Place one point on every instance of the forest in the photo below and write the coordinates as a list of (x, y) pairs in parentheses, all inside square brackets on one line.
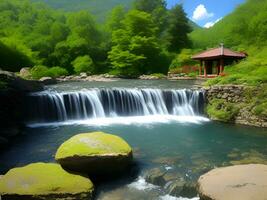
[(139, 37), (131, 42)]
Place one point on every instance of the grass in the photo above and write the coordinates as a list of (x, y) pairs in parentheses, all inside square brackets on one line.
[(251, 71)]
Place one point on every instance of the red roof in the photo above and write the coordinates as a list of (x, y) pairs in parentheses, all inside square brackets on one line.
[(219, 52)]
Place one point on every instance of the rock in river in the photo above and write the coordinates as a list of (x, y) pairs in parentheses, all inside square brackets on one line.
[(246, 182), (44, 181), (97, 154)]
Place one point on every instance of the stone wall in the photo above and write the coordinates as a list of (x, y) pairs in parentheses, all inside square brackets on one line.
[(236, 96)]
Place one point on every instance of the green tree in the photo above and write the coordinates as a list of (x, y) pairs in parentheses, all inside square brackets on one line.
[(157, 9), (178, 29), (149, 5), (114, 21), (135, 47), (83, 64)]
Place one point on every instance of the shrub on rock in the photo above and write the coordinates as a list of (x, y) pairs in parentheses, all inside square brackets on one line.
[(44, 181), (95, 153)]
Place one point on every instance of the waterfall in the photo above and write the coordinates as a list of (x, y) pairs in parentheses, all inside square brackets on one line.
[(52, 106)]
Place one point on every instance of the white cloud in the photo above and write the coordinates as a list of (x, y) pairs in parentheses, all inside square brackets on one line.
[(201, 13), (211, 24)]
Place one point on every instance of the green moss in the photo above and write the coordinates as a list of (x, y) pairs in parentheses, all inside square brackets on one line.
[(219, 109), (43, 179), (91, 144)]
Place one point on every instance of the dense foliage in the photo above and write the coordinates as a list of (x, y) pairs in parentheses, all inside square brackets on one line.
[(99, 8), (129, 43)]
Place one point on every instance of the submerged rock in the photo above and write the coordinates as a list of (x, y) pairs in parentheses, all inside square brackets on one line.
[(246, 182), (96, 153), (156, 177), (161, 176), (251, 157), (168, 160), (44, 181), (173, 183)]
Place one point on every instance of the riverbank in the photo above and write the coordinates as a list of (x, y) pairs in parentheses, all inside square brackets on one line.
[(13, 91), (237, 104)]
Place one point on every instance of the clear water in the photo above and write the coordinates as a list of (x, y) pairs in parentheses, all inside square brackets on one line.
[(185, 146)]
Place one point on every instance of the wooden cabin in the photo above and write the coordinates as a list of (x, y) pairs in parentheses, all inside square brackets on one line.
[(214, 60)]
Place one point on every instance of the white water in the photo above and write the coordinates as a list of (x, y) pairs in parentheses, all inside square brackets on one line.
[(128, 121), (103, 107), (142, 185)]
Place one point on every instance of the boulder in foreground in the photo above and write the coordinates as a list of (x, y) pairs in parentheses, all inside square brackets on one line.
[(246, 182), (96, 154), (44, 181)]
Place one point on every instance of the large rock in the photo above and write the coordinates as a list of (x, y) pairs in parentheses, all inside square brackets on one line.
[(44, 181), (13, 94), (18, 84), (25, 72), (97, 154), (48, 80), (246, 182)]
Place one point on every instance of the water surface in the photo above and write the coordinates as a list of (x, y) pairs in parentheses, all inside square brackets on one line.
[(187, 146)]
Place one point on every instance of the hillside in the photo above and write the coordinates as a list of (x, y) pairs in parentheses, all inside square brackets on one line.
[(99, 8), (246, 26), (243, 30)]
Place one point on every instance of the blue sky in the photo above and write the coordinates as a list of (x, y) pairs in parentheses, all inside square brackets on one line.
[(207, 12)]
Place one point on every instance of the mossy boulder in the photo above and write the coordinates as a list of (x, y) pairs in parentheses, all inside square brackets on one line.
[(44, 181), (97, 154)]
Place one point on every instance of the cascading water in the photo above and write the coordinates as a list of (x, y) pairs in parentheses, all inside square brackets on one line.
[(51, 106)]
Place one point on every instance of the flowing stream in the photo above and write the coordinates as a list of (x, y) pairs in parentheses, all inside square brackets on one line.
[(52, 106), (163, 121)]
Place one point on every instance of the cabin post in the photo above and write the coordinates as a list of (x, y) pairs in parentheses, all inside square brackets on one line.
[(200, 68), (221, 66), (218, 67), (205, 69)]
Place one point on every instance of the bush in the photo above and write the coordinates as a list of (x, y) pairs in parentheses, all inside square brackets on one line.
[(83, 64), (40, 71), (218, 109), (261, 110), (183, 59), (57, 72)]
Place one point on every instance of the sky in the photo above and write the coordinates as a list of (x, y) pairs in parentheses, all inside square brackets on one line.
[(207, 12)]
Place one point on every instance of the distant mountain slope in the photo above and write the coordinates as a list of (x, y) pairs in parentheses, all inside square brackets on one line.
[(246, 26), (99, 8)]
